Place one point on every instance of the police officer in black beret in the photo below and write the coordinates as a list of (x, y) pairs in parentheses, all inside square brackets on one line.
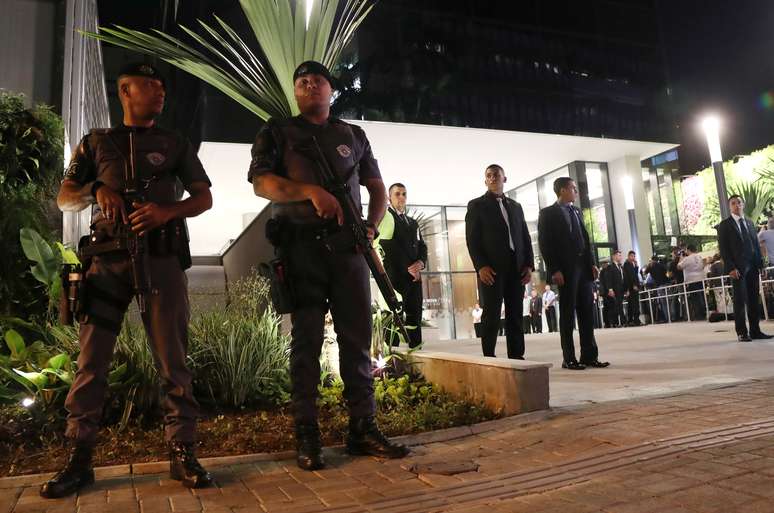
[(164, 164), (324, 269)]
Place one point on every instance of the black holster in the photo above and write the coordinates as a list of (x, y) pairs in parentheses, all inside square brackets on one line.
[(73, 295), (278, 232)]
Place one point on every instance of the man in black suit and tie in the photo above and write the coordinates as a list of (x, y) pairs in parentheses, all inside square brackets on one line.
[(564, 244), (632, 285), (743, 262), (501, 250), (405, 256), (613, 289)]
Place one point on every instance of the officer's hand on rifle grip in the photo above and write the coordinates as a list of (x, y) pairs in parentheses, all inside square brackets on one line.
[(111, 203), (325, 204), (148, 216)]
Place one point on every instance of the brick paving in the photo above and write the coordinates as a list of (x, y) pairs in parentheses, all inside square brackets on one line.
[(700, 451)]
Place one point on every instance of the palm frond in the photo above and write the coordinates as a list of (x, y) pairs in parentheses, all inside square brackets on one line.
[(260, 81)]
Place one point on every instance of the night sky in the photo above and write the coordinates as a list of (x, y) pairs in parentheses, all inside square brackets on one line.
[(720, 56)]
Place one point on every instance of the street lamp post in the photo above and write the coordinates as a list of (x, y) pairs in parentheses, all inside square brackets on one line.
[(626, 183), (711, 126)]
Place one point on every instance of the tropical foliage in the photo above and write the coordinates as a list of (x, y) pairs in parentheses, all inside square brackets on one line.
[(31, 163), (750, 176), (259, 79)]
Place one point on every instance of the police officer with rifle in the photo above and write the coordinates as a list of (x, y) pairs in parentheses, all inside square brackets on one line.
[(311, 167), (138, 248)]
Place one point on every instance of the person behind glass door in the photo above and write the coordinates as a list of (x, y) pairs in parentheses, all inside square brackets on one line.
[(501, 250)]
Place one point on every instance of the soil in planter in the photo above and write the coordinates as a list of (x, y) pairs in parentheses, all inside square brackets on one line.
[(30, 446)]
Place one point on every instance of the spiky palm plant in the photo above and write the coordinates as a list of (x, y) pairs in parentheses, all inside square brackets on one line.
[(258, 79)]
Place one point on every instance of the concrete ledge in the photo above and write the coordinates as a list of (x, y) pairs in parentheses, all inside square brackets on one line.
[(512, 386)]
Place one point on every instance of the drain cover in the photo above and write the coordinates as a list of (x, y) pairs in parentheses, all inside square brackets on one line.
[(444, 468)]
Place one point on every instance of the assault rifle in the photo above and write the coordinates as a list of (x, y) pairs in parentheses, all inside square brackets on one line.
[(354, 219), (136, 244)]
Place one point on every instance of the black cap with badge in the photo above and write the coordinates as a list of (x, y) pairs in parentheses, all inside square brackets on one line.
[(314, 68), (141, 69)]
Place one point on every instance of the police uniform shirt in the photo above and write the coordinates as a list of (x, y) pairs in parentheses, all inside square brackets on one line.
[(163, 161), (283, 147)]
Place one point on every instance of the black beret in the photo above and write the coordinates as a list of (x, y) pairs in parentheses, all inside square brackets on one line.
[(313, 67), (141, 69)]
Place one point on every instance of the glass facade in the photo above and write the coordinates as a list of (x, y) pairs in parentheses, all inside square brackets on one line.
[(449, 284), (675, 205)]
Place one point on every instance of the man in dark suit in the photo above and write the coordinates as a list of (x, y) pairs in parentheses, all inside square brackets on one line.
[(536, 312), (501, 250), (632, 285), (564, 244), (613, 290), (743, 262), (405, 256)]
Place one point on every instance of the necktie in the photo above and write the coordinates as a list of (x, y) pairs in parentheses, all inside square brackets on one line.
[(746, 236), (504, 211), (575, 228)]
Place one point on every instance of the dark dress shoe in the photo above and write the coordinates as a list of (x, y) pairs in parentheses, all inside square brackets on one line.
[(573, 365), (596, 364), (309, 447), (77, 473), (760, 336), (365, 439), (744, 338), (184, 467)]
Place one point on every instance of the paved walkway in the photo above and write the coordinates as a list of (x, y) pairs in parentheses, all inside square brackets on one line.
[(706, 450), (646, 361), (700, 450)]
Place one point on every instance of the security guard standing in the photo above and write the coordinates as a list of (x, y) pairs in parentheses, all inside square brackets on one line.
[(161, 161), (405, 257), (324, 269)]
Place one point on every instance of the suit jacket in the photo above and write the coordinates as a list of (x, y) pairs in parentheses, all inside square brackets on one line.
[(487, 234), (734, 252), (612, 278), (403, 249), (631, 275), (557, 244)]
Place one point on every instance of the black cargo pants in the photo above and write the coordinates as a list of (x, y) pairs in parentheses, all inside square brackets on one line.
[(109, 289), (329, 275)]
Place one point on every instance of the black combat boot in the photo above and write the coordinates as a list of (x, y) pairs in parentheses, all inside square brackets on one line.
[(77, 473), (309, 447), (365, 439), (183, 466)]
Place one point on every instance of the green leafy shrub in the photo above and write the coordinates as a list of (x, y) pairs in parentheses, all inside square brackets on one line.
[(407, 404), (238, 353), (31, 163)]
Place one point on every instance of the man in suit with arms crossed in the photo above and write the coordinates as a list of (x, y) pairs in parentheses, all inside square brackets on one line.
[(501, 250), (743, 262), (564, 244)]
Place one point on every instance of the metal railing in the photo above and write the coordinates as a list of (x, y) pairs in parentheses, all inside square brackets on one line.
[(684, 301)]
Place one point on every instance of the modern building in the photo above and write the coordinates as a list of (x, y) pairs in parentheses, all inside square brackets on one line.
[(443, 168)]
